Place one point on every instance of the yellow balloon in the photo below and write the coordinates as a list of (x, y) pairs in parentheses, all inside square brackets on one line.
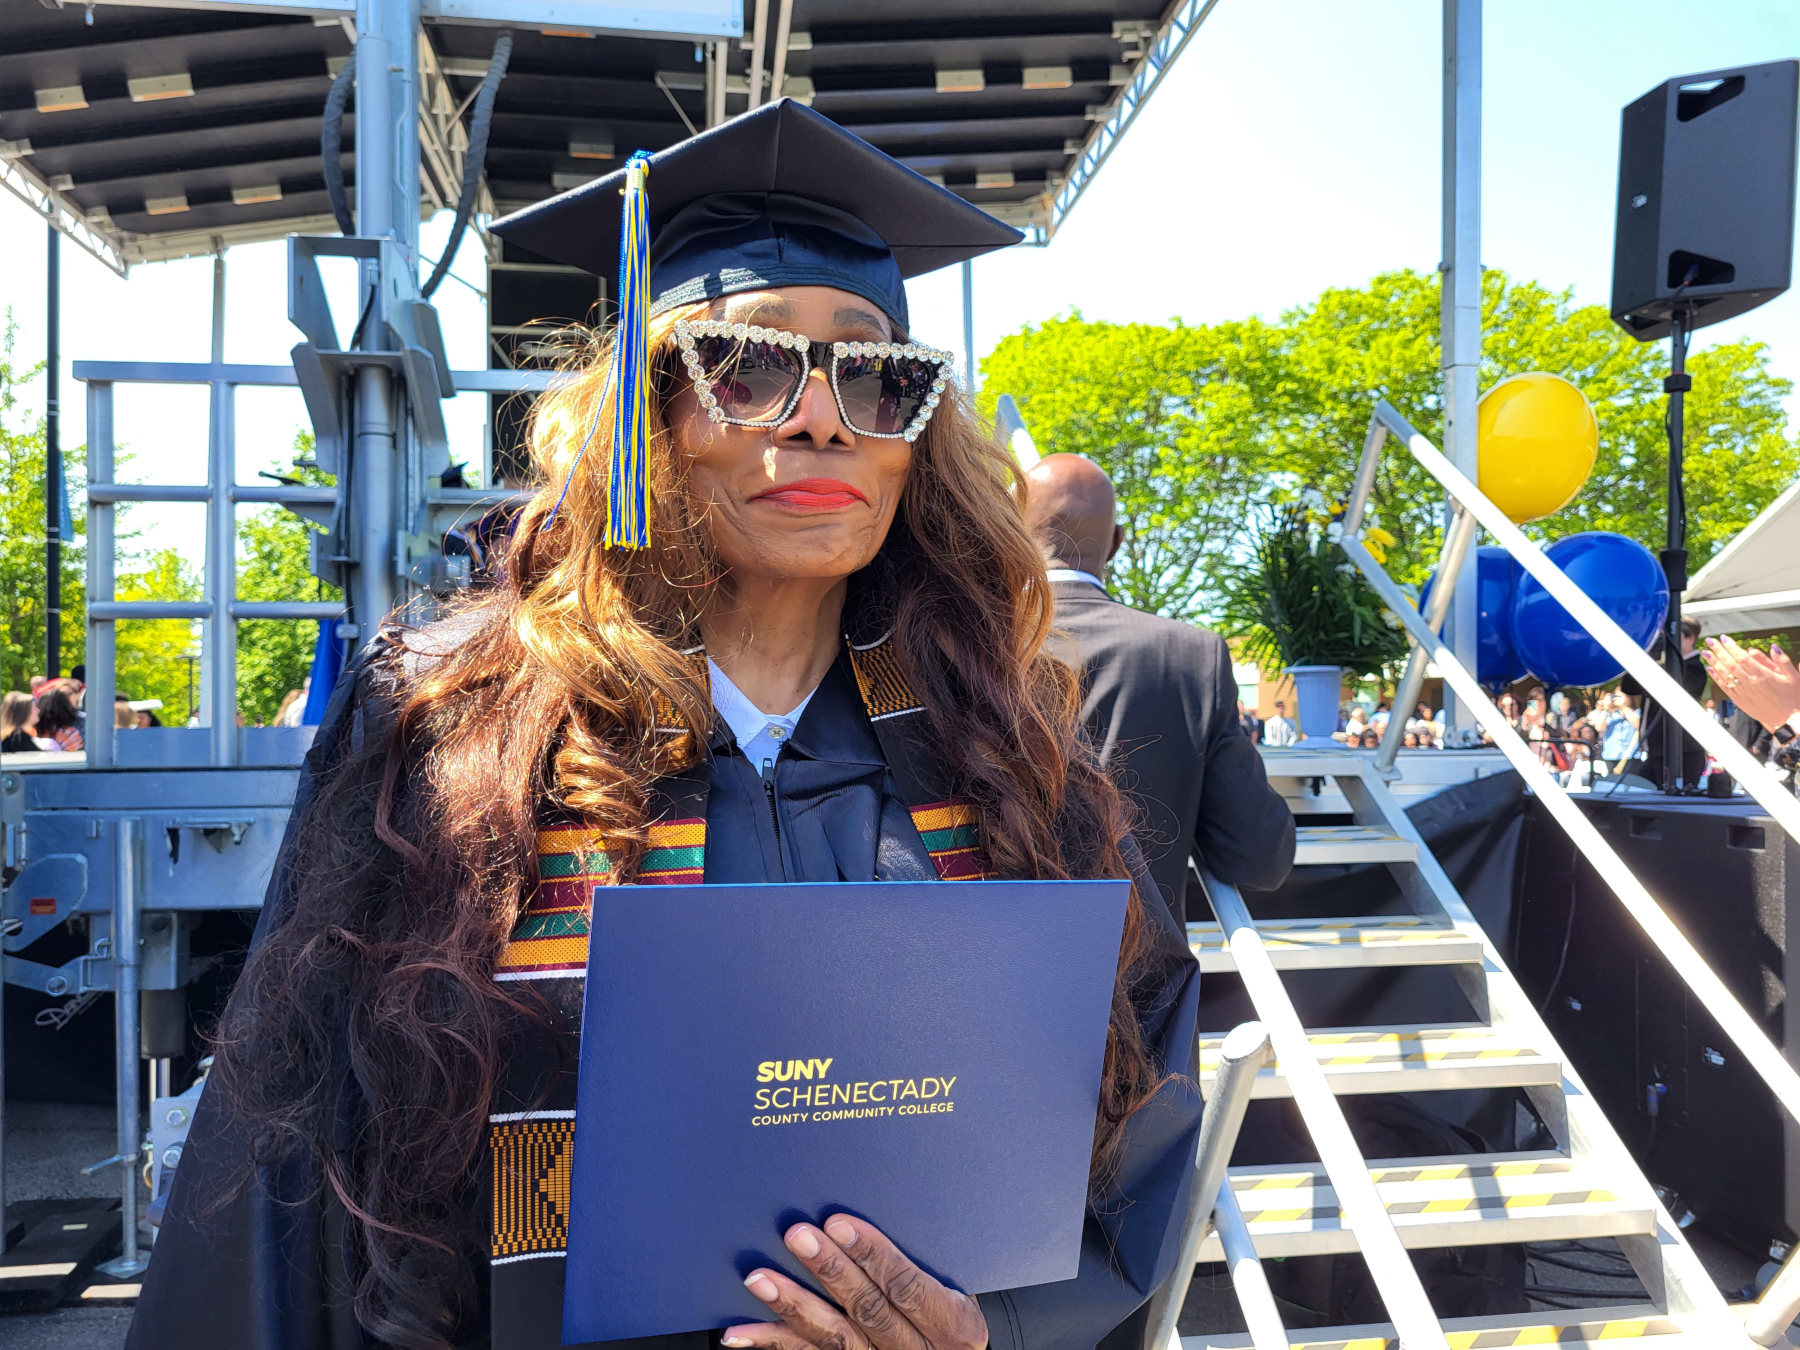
[(1538, 440)]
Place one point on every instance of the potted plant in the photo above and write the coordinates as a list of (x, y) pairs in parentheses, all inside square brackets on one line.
[(1300, 605)]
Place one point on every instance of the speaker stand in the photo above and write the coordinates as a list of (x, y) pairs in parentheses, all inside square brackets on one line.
[(1674, 554)]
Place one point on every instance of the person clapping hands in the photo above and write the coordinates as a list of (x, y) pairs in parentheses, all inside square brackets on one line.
[(1764, 684)]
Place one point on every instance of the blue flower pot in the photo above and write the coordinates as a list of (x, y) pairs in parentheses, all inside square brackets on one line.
[(1317, 691)]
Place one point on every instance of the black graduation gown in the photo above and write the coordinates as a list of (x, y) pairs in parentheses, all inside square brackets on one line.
[(263, 1269)]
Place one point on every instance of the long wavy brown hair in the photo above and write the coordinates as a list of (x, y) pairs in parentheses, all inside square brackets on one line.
[(365, 1037)]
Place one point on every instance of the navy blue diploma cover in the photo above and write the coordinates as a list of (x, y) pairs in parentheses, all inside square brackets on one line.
[(925, 1055)]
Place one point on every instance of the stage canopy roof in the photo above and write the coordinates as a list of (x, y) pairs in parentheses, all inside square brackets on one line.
[(175, 127), (1753, 583)]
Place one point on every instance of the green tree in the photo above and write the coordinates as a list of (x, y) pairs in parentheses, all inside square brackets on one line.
[(151, 655), (1175, 416), (22, 578), (274, 655), (1201, 425)]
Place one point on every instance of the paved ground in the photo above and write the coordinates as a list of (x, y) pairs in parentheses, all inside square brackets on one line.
[(46, 1148)]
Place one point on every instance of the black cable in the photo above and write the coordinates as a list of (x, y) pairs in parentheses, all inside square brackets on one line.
[(1569, 1291), (1562, 959), (362, 319), (1625, 1274), (331, 143), (475, 157)]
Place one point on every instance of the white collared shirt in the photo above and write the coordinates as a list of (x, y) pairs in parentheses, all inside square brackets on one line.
[(759, 735), (1057, 574)]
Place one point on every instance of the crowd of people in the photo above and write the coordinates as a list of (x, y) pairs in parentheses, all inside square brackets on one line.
[(1358, 726), (53, 716), (1609, 733)]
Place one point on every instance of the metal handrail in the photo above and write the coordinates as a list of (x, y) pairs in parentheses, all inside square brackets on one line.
[(1241, 1057), (1249, 1281), (1764, 1056), (1758, 780), (1781, 1300), (1396, 1278), (1769, 1318)]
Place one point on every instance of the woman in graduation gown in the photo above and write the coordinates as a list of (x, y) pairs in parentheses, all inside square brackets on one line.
[(779, 619)]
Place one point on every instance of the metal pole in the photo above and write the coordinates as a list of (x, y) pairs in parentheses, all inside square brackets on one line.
[(374, 118), (1241, 1058), (53, 465), (125, 1026), (375, 401), (758, 34), (1456, 548), (221, 543), (1248, 1278), (1460, 320), (719, 68), (784, 19), (968, 281), (1674, 555), (102, 667)]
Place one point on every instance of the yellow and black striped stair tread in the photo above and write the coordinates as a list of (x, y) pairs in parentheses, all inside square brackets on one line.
[(1444, 1201), (1548, 1329), (1343, 943), (1344, 844), (1435, 1057)]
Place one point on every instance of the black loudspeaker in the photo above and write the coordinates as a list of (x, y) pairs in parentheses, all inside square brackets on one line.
[(1706, 196), (1692, 1111)]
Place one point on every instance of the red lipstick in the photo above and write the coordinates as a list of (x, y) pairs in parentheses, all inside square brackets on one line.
[(814, 494)]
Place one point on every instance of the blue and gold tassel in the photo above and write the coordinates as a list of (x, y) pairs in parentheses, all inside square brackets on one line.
[(628, 515)]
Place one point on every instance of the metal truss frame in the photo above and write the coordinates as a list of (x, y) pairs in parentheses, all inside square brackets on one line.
[(62, 213), (1178, 28)]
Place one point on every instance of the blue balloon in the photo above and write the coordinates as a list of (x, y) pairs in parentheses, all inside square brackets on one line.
[(1618, 574), (1496, 579)]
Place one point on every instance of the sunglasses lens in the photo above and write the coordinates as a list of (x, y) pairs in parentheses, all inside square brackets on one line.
[(882, 394), (752, 380)]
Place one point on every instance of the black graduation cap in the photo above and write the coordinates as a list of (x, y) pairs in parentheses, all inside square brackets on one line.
[(781, 196)]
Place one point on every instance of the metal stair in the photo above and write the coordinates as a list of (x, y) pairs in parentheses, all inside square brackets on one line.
[(1586, 1187), (1630, 1323)]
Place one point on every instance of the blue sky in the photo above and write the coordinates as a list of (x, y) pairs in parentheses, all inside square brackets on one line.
[(1295, 146)]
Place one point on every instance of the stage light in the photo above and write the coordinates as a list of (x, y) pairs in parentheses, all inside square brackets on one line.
[(154, 87), (64, 98)]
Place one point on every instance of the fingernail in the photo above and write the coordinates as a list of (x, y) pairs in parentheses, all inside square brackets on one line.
[(729, 1339), (842, 1232), (801, 1242), (762, 1286)]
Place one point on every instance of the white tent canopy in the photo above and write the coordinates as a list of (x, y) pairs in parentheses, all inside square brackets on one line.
[(1753, 583)]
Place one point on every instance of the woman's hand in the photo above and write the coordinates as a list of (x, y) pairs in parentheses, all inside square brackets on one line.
[(1763, 684), (884, 1301)]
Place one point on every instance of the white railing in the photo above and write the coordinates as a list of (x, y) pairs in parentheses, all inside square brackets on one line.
[(1396, 1278), (1782, 1298)]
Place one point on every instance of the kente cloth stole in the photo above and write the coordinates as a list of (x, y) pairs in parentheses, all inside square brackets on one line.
[(532, 1128), (551, 936)]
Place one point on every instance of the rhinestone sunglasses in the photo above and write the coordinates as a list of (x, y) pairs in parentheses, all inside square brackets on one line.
[(750, 376)]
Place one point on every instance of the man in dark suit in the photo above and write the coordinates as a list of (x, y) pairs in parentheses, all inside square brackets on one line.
[(1159, 700)]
